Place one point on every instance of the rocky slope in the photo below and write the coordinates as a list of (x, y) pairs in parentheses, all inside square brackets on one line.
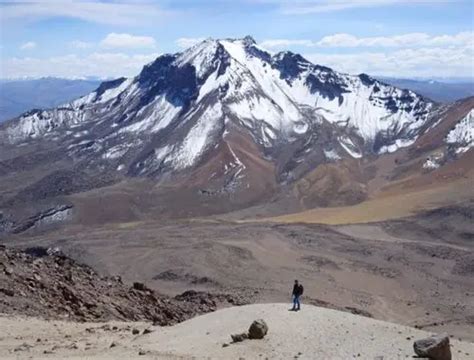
[(45, 283)]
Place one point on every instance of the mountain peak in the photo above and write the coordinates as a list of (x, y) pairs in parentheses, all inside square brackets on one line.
[(275, 99), (210, 41), (249, 40)]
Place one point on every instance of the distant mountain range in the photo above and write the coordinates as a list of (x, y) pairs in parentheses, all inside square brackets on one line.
[(18, 96), (440, 91)]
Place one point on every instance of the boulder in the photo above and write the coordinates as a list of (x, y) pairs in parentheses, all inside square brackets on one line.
[(435, 347), (258, 329)]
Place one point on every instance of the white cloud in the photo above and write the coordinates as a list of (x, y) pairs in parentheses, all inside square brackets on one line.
[(186, 42), (110, 13), (405, 40), (465, 38), (78, 44), (284, 43), (415, 62), (117, 41), (98, 64), (407, 55), (30, 45), (321, 6)]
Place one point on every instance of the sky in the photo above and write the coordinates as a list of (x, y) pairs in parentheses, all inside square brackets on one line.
[(109, 39)]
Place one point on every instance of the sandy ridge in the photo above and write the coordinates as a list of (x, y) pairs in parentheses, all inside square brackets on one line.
[(313, 333)]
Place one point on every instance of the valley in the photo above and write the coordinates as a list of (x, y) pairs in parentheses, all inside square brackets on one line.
[(415, 271)]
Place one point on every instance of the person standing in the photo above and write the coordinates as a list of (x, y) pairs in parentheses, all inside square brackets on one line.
[(297, 292)]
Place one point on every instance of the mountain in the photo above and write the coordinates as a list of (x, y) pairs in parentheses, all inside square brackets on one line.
[(221, 126), (441, 91), (203, 92), (18, 96)]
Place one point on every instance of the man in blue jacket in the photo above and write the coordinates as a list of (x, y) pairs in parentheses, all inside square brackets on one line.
[(297, 292)]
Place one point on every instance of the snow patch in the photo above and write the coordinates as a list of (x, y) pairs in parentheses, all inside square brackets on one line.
[(196, 140), (430, 164), (160, 113), (331, 155), (349, 146), (115, 152), (462, 136), (114, 92), (397, 144)]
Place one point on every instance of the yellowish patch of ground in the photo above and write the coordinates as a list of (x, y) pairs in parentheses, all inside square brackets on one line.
[(385, 206)]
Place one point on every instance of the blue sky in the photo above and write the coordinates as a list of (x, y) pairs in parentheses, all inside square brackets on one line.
[(402, 38)]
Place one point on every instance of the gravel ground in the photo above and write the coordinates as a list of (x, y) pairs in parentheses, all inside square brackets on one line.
[(312, 333)]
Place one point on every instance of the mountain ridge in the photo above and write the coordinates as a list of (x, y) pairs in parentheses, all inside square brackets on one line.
[(226, 119), (194, 66)]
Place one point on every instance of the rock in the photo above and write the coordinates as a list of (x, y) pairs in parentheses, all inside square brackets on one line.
[(135, 331), (435, 347), (139, 286), (113, 344), (239, 337), (258, 329), (142, 352), (147, 331), (225, 345)]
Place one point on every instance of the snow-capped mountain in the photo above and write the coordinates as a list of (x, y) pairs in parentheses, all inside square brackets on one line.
[(225, 125), (187, 102)]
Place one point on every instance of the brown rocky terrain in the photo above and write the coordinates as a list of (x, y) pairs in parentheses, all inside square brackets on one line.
[(45, 283), (416, 271)]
